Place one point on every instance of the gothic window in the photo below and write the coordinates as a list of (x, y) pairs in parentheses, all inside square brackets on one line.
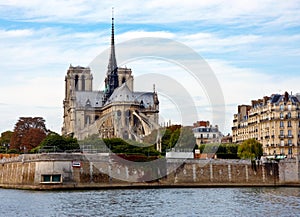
[(125, 135), (83, 83), (87, 120), (76, 82), (119, 113), (127, 117), (123, 80), (142, 104), (96, 117)]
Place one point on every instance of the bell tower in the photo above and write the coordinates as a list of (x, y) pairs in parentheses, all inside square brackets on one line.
[(78, 79)]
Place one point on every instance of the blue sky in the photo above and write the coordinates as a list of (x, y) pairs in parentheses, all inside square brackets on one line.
[(253, 47)]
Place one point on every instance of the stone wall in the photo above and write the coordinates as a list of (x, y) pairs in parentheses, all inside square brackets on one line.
[(55, 171), (289, 171)]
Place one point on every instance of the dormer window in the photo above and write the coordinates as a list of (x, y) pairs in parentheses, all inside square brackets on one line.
[(88, 103)]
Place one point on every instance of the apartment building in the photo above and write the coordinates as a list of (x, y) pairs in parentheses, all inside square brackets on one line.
[(273, 121), (206, 133)]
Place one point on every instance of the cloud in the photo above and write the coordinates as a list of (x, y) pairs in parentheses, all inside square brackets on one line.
[(154, 11), (248, 45)]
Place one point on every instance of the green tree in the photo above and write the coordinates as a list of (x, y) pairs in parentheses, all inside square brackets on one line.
[(5, 137), (223, 151), (57, 143), (250, 149), (5, 141)]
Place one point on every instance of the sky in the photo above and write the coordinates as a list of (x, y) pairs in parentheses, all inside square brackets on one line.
[(252, 47)]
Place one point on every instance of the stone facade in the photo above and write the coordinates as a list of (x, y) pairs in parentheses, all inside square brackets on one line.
[(273, 121), (118, 111)]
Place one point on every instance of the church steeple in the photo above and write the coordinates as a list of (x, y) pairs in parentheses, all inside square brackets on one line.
[(111, 81), (112, 65)]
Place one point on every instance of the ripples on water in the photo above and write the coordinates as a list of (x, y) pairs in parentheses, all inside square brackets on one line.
[(153, 202)]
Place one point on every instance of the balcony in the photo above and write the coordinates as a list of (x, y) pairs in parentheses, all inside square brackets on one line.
[(281, 136)]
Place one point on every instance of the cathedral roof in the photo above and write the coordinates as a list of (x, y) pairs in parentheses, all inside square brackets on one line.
[(124, 94), (89, 99)]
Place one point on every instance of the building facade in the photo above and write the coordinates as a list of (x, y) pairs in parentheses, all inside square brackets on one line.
[(206, 133), (117, 111), (273, 121)]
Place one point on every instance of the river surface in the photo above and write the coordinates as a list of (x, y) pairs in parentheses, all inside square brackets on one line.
[(153, 202)]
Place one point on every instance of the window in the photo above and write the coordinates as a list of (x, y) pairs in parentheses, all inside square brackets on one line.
[(207, 135), (281, 124), (289, 115), (55, 178), (281, 107), (289, 132), (289, 141), (289, 124), (87, 120), (76, 82), (290, 151), (214, 136), (82, 83), (281, 115), (281, 132), (46, 178)]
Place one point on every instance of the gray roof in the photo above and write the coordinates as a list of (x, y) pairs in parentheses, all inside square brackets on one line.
[(124, 94), (276, 98), (89, 99)]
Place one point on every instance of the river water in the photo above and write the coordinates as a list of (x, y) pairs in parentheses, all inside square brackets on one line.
[(153, 202)]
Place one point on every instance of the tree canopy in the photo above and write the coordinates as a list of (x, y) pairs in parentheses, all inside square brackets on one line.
[(57, 143), (173, 136), (5, 137), (28, 133), (250, 149)]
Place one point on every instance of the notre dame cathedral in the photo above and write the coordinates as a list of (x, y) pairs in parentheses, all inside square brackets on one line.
[(117, 111)]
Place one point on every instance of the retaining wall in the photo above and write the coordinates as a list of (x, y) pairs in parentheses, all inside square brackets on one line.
[(57, 171)]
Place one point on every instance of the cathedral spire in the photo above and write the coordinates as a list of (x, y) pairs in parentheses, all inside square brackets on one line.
[(111, 81), (112, 65)]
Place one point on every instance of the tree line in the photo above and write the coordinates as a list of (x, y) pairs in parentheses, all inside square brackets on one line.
[(30, 135)]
